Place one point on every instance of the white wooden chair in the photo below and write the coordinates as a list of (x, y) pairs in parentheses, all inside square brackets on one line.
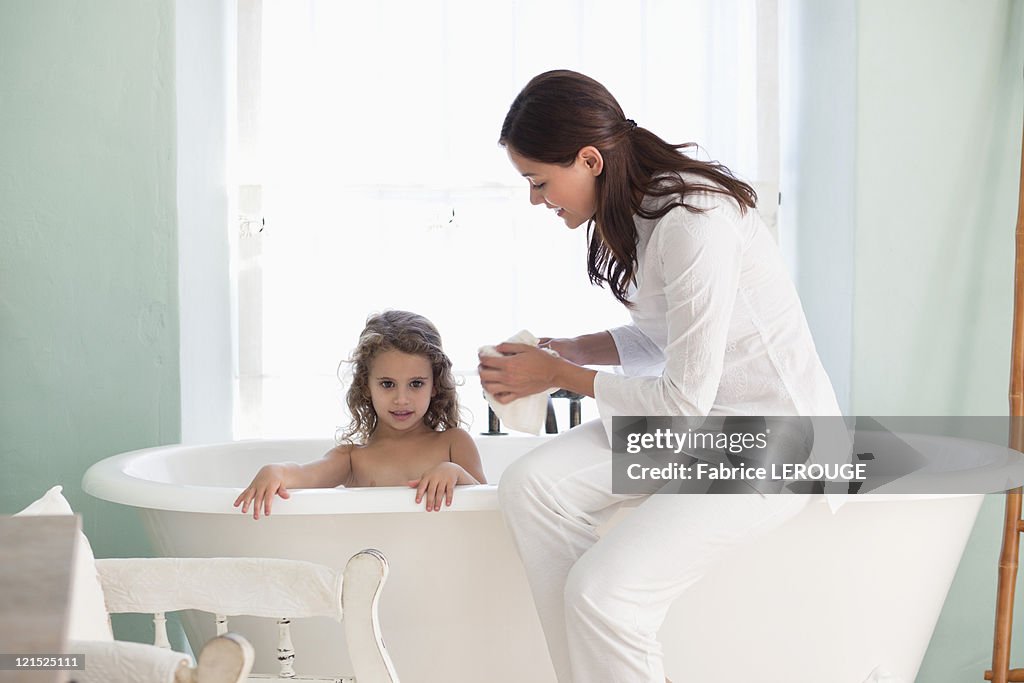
[(279, 589)]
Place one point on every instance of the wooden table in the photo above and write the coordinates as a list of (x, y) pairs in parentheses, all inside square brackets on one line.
[(35, 586)]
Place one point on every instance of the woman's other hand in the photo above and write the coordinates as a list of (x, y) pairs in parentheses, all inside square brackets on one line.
[(567, 348), (522, 370), (268, 481)]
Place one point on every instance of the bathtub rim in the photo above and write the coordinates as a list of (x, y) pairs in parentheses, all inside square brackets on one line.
[(108, 480)]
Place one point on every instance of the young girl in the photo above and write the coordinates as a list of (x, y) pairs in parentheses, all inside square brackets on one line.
[(404, 429)]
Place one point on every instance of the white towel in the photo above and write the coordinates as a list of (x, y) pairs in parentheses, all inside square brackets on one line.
[(125, 662), (260, 587), (526, 414)]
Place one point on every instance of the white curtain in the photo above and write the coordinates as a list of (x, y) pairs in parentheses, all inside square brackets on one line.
[(370, 147)]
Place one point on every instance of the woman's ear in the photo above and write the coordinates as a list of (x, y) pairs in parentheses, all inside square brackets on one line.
[(591, 159)]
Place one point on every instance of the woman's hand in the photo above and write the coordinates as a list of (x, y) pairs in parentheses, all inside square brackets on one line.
[(268, 481), (567, 348), (437, 485), (524, 370)]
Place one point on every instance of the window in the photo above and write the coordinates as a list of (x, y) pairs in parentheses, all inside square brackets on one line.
[(370, 175)]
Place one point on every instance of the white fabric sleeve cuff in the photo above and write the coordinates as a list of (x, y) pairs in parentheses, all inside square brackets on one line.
[(638, 355)]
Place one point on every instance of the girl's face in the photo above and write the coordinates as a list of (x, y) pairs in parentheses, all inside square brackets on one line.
[(570, 191), (401, 386)]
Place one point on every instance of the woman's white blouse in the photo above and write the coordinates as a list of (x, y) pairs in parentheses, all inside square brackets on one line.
[(717, 324)]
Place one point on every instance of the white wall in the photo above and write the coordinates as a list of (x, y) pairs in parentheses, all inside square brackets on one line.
[(205, 58), (819, 134)]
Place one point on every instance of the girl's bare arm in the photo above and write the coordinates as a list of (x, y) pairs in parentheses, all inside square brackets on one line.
[(465, 454), (275, 479), (438, 484), (329, 471)]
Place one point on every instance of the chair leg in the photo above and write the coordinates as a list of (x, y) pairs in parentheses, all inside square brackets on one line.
[(365, 575)]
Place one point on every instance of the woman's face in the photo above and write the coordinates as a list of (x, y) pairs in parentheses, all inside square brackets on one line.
[(570, 191)]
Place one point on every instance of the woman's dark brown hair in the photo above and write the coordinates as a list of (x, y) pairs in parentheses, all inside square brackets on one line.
[(559, 113), (409, 333)]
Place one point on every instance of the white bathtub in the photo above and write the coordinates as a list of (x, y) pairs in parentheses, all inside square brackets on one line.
[(828, 597)]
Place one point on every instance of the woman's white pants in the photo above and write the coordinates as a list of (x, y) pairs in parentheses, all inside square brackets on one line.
[(601, 600)]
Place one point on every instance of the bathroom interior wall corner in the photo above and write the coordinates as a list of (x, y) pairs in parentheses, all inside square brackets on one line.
[(88, 249), (204, 64), (818, 94)]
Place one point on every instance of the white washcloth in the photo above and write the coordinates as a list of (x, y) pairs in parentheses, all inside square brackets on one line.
[(526, 414)]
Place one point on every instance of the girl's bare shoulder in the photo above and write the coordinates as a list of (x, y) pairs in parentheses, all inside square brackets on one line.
[(343, 449), (449, 441), (457, 435), (461, 444), (343, 453)]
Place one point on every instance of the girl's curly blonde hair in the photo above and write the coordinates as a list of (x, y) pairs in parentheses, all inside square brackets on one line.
[(409, 333)]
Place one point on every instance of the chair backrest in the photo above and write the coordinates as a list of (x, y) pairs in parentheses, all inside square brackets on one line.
[(225, 587), (231, 586)]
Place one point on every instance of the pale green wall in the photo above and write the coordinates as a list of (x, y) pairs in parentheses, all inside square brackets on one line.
[(939, 113), (88, 252), (939, 128)]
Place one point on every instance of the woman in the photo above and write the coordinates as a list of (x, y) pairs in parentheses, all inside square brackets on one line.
[(717, 330)]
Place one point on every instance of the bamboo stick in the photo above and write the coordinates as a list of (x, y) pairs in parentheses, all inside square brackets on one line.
[(1009, 554)]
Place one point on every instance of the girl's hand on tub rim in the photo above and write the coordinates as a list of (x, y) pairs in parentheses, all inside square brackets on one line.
[(268, 481), (437, 485)]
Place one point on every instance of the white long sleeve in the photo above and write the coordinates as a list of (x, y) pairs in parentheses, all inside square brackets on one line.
[(713, 298), (638, 355)]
